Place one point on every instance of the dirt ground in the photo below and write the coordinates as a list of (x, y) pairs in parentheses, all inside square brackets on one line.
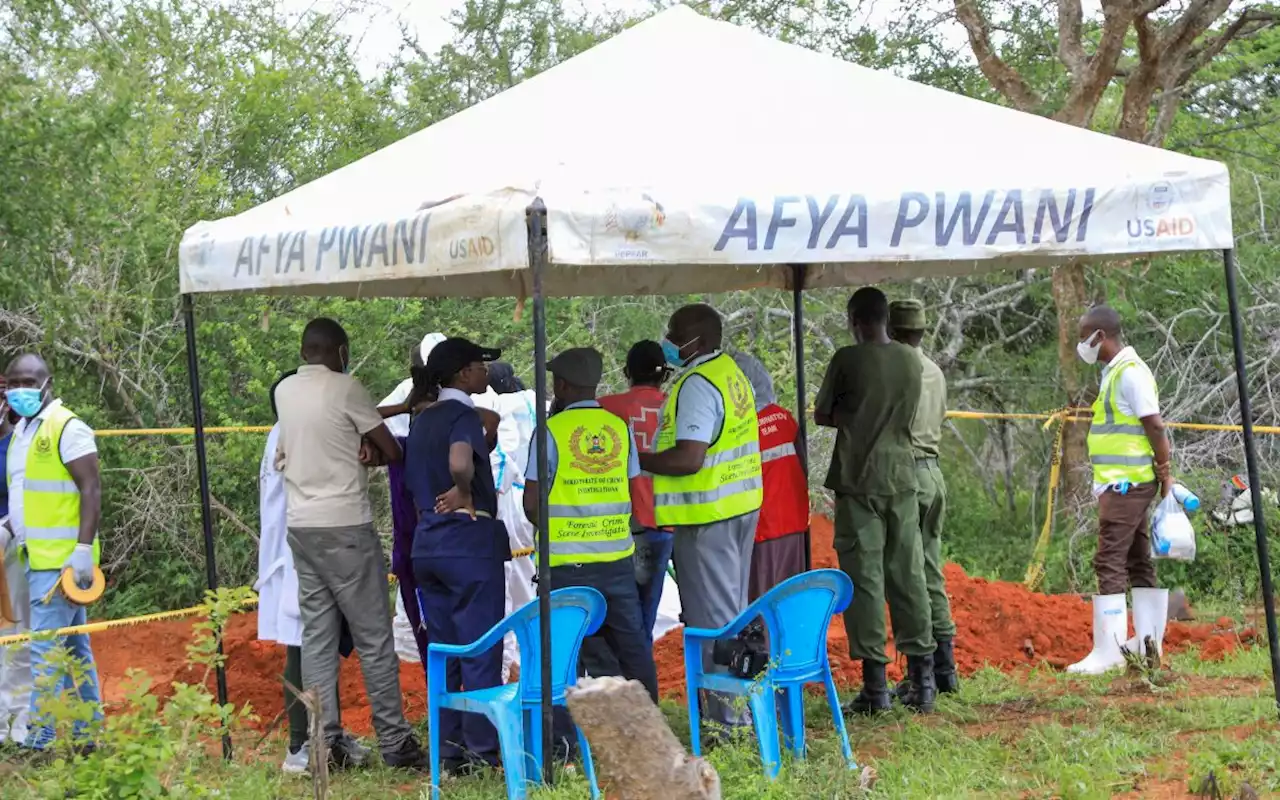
[(999, 624)]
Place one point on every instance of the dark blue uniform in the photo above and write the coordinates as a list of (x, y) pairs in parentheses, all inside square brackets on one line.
[(458, 563)]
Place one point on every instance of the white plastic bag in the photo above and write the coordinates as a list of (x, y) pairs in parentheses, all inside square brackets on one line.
[(1171, 533)]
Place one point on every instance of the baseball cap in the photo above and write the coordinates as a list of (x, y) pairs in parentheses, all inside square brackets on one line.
[(907, 315), (580, 366), (645, 360), (451, 356)]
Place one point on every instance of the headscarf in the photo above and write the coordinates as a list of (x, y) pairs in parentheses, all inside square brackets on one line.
[(502, 378), (761, 383)]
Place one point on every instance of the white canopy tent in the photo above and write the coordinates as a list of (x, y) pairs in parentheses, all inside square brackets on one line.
[(687, 155), (689, 142)]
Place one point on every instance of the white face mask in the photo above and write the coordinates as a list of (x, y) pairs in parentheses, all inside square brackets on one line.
[(1089, 348)]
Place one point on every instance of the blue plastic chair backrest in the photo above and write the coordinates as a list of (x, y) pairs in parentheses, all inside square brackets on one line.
[(797, 614), (576, 613)]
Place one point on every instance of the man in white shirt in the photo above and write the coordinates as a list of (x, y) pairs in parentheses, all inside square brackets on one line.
[(55, 502), (325, 415), (1129, 452)]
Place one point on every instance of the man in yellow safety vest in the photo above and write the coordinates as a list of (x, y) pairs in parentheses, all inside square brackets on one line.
[(1130, 455), (55, 501), (590, 463), (707, 481)]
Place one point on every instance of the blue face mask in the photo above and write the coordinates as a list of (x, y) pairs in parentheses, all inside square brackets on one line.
[(26, 402), (672, 353), (346, 364)]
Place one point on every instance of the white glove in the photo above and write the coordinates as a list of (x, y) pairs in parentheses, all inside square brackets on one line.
[(81, 564), (6, 536)]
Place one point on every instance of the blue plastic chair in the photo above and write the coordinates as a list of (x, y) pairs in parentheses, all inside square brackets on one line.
[(797, 613), (516, 709)]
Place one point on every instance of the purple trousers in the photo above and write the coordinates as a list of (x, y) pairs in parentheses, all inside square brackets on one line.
[(404, 519)]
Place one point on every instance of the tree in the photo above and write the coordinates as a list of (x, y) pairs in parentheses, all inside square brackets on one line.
[(1170, 47)]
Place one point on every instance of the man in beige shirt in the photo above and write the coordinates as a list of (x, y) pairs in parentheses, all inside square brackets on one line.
[(330, 429)]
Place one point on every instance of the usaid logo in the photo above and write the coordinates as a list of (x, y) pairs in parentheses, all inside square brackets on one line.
[(1160, 197), (1159, 222)]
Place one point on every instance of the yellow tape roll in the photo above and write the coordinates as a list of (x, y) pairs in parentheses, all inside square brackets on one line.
[(83, 597)]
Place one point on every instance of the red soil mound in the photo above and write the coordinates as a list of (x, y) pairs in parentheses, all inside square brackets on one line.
[(1000, 624)]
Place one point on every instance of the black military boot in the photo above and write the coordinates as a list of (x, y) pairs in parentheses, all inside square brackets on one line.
[(874, 697), (944, 667), (924, 690)]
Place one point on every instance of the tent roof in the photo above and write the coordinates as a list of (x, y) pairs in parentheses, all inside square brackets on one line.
[(690, 155)]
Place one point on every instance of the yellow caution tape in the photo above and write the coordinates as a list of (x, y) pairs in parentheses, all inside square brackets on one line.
[(976, 415), (1035, 569), (182, 431), (99, 627), (72, 591), (83, 597)]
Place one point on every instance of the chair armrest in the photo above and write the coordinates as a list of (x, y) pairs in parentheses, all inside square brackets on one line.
[(452, 650), (709, 634), (482, 645)]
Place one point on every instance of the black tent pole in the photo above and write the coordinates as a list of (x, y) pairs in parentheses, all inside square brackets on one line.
[(537, 220), (1251, 467), (798, 274), (206, 505)]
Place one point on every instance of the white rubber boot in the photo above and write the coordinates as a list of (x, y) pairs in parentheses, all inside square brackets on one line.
[(1110, 625), (1150, 616)]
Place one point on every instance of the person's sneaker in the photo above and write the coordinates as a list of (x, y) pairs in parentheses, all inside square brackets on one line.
[(298, 763), (409, 755), (340, 755), (357, 754)]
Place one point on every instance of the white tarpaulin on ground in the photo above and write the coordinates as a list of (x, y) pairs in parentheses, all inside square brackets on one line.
[(685, 141)]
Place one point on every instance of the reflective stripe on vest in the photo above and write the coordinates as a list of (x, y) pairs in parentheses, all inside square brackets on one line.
[(50, 497), (1118, 446), (781, 451), (730, 482), (589, 505)]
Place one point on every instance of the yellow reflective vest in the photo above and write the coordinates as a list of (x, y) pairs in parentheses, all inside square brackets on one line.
[(730, 482), (50, 497), (589, 505), (1118, 446)]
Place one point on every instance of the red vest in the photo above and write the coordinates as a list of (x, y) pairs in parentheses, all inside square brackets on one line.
[(786, 490), (641, 408)]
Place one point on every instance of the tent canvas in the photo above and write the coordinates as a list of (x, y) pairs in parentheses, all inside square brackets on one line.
[(686, 141)]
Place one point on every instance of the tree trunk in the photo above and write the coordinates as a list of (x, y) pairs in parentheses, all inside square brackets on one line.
[(636, 755), (1069, 297)]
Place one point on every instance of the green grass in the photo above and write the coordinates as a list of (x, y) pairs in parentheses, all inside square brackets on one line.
[(1037, 734)]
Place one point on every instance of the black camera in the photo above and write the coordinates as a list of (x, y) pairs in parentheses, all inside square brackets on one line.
[(747, 654)]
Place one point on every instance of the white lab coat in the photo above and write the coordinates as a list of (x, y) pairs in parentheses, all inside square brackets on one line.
[(668, 618), (279, 618), (515, 429), (15, 659)]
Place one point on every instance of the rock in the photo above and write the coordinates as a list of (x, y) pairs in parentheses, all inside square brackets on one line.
[(867, 780), (636, 755), (1179, 609)]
